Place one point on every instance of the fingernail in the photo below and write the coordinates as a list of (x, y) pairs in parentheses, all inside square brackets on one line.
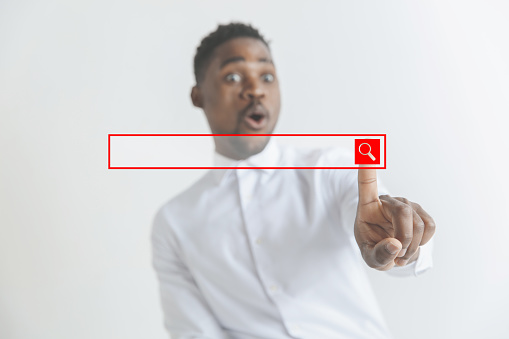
[(391, 248), (402, 253)]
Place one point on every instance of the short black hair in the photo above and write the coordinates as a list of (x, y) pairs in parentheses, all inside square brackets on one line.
[(222, 34)]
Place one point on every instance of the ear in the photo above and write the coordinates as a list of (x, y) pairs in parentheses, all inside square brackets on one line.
[(196, 96)]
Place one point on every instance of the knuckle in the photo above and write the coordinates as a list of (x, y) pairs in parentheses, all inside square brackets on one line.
[(406, 239), (432, 228), (405, 210), (432, 225), (405, 200), (419, 227)]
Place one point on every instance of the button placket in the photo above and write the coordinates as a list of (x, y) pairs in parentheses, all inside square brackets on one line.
[(248, 183)]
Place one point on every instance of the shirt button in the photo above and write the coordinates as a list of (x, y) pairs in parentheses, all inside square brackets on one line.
[(294, 329), (259, 241), (274, 288)]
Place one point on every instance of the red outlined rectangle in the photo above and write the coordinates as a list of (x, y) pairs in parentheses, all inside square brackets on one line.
[(285, 135)]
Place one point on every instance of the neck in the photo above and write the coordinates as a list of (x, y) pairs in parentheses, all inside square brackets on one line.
[(236, 148)]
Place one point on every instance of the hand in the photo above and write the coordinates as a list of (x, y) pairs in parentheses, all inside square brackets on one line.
[(388, 230)]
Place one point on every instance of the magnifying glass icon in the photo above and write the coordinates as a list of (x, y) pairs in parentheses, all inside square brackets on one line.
[(368, 153)]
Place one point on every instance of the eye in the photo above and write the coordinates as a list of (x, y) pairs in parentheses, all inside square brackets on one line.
[(268, 77), (232, 77)]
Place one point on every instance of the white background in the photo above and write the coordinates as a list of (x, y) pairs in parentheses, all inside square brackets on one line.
[(74, 236)]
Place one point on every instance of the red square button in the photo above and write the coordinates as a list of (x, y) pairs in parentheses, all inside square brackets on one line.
[(367, 151)]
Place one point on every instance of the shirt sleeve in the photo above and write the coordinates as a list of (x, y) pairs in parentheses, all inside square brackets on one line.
[(186, 313), (346, 192)]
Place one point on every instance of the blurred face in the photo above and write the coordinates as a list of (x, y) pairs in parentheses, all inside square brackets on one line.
[(240, 95)]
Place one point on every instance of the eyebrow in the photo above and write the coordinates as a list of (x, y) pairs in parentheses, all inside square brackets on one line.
[(239, 58)]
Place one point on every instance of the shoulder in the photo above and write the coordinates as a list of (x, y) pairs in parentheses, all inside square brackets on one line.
[(182, 205)]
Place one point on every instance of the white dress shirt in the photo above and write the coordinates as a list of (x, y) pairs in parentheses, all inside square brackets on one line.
[(268, 253)]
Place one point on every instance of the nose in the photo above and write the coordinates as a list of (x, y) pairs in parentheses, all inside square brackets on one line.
[(253, 90)]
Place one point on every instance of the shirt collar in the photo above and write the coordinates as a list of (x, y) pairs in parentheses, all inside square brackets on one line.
[(268, 157)]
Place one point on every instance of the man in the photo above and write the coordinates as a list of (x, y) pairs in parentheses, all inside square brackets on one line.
[(261, 253)]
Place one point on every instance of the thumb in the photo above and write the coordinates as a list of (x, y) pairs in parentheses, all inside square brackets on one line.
[(384, 253)]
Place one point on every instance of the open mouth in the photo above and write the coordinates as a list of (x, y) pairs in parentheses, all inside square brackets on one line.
[(256, 116), (256, 120)]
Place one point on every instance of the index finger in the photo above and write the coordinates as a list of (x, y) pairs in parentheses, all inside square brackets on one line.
[(368, 189)]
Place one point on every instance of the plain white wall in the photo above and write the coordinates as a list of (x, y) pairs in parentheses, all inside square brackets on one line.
[(74, 236)]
